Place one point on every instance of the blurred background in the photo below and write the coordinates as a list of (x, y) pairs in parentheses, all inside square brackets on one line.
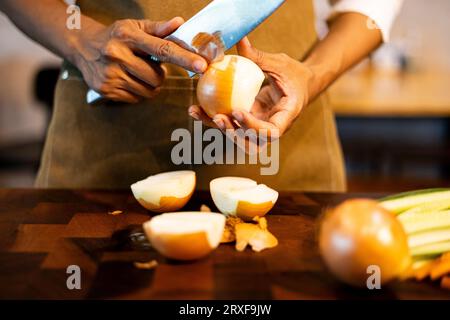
[(392, 110)]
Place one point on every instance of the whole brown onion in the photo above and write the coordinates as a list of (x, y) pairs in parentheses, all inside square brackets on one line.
[(358, 234)]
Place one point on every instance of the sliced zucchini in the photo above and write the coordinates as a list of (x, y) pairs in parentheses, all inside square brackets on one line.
[(413, 193), (407, 200), (440, 205), (431, 249), (417, 222), (427, 237)]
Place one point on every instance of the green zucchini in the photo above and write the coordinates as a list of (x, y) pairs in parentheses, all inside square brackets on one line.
[(431, 249), (417, 222), (440, 205), (403, 201), (413, 193), (427, 237)]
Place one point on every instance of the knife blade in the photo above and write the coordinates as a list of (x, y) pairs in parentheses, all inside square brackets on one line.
[(230, 19)]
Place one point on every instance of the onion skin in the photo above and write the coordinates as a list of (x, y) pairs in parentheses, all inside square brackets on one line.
[(228, 85), (166, 204), (248, 211), (158, 201), (360, 233), (184, 247), (168, 235), (214, 90)]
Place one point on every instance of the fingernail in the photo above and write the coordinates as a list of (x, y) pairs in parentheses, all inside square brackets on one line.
[(219, 123), (200, 66), (194, 115), (180, 20), (238, 116)]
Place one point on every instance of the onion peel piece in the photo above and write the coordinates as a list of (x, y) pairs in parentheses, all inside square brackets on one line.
[(146, 265), (255, 235), (204, 208), (115, 212), (229, 233)]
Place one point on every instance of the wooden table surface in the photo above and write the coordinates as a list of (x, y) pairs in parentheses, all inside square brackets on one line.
[(42, 232)]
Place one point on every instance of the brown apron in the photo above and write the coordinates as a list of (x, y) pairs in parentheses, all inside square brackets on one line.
[(114, 145)]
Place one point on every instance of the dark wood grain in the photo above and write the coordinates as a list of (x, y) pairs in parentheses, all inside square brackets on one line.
[(44, 231)]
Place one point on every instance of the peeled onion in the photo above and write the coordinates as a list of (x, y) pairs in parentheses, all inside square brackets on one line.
[(165, 192), (228, 85), (185, 235), (242, 197), (358, 234)]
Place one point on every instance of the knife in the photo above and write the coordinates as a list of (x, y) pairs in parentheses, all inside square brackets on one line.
[(230, 19)]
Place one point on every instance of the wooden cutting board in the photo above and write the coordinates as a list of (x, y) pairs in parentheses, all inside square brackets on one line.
[(42, 232)]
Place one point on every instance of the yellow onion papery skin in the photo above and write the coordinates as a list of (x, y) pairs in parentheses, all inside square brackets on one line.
[(215, 86), (358, 234)]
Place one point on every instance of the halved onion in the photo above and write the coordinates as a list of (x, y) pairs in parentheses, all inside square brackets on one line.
[(230, 84), (165, 192), (185, 235), (242, 197)]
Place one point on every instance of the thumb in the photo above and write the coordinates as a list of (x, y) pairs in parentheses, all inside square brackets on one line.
[(162, 29), (263, 59)]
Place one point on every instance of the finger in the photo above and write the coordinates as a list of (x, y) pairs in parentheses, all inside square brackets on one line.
[(197, 113), (249, 121), (224, 122), (266, 61), (284, 118), (167, 51), (144, 37), (120, 95), (138, 88), (150, 73), (277, 124), (161, 29)]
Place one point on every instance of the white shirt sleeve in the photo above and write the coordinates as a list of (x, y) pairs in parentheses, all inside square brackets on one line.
[(382, 13)]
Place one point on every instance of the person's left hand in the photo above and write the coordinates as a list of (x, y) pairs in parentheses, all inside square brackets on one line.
[(277, 105)]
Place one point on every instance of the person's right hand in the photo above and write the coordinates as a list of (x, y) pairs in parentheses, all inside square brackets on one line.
[(114, 60)]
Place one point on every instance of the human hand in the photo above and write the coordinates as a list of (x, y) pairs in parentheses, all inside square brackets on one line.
[(277, 105), (114, 59)]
